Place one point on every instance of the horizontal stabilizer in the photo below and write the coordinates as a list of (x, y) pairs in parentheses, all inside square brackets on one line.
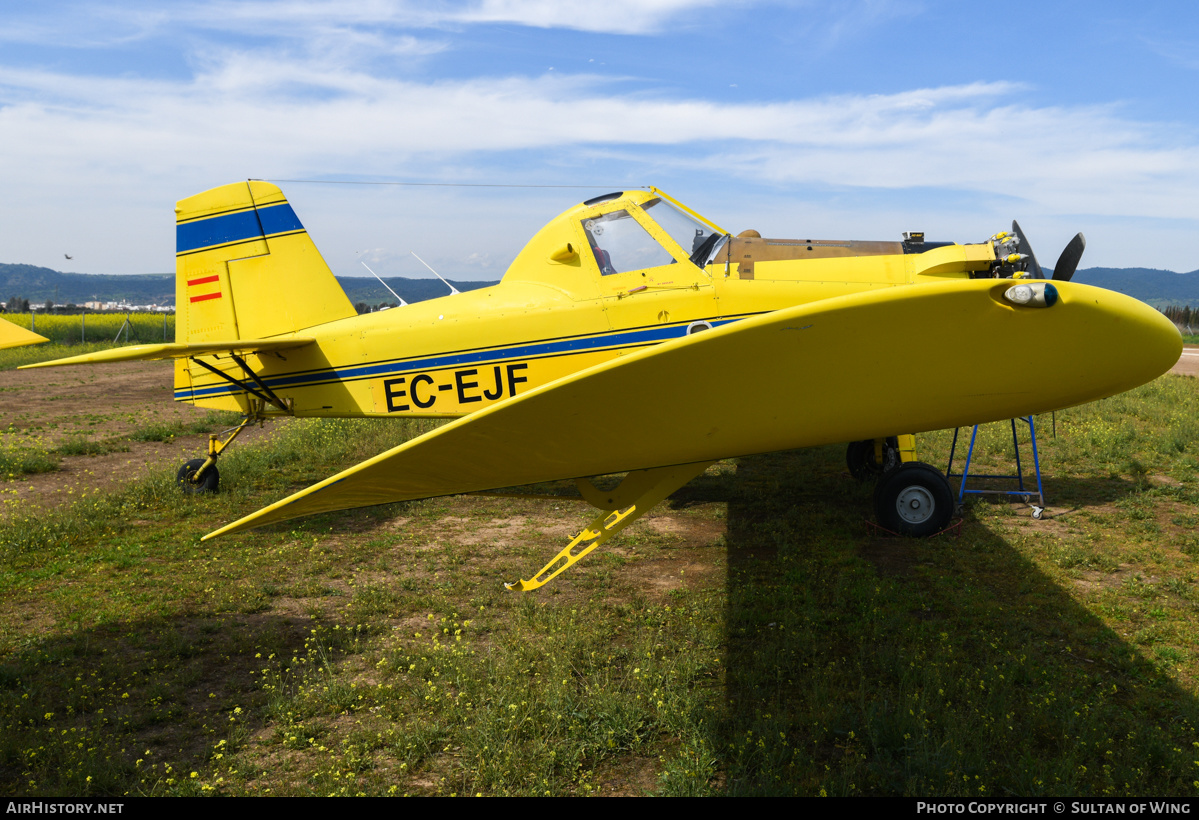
[(843, 369), (14, 336), (146, 353)]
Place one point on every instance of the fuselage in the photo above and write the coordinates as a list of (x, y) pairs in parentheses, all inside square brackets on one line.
[(601, 280)]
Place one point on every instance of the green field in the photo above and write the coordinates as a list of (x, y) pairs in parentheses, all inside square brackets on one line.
[(754, 636)]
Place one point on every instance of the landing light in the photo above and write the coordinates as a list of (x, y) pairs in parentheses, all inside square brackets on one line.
[(1040, 294)]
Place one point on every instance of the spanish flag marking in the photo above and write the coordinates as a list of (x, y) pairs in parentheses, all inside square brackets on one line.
[(205, 280)]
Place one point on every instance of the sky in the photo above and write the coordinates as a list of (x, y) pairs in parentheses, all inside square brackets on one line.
[(841, 120)]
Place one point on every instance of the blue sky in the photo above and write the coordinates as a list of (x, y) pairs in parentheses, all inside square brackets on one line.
[(837, 120)]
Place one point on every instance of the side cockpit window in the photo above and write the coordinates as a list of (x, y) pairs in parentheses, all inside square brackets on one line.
[(620, 244)]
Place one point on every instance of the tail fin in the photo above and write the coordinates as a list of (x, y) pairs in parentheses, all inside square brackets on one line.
[(245, 268)]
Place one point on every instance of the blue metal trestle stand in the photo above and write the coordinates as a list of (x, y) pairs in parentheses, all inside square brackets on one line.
[(1026, 493)]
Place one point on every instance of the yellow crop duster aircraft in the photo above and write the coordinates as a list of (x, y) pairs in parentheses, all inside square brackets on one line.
[(633, 335), (13, 336)]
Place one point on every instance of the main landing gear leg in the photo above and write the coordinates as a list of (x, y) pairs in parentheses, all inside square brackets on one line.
[(200, 475), (870, 459), (636, 495), (910, 498)]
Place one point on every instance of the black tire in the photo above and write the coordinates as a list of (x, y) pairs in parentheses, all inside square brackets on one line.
[(914, 499), (859, 458), (208, 482)]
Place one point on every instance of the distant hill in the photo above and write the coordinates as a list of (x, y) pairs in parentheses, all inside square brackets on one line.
[(39, 284), (1157, 287)]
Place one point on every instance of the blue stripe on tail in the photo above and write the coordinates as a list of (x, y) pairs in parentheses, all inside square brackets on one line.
[(239, 227)]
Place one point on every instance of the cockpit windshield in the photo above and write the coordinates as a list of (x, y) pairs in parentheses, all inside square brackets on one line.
[(689, 232), (621, 244)]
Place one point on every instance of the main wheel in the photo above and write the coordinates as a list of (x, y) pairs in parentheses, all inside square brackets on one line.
[(914, 499), (859, 457), (208, 482)]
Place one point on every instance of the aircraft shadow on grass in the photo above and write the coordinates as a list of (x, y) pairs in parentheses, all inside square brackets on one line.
[(953, 666)]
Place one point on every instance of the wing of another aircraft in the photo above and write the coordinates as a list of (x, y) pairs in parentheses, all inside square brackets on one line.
[(13, 336), (848, 368), (144, 353)]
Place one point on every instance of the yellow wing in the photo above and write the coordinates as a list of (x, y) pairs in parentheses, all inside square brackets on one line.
[(14, 336), (142, 353), (854, 367)]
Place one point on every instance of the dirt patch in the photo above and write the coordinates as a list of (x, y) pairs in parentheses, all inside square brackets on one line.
[(1047, 524), (656, 578), (566, 529), (499, 532), (693, 530), (1095, 580), (84, 476), (111, 400), (892, 557), (629, 776), (695, 551), (101, 404), (1188, 362)]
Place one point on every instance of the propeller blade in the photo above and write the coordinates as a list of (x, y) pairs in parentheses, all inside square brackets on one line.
[(1033, 268), (1068, 261)]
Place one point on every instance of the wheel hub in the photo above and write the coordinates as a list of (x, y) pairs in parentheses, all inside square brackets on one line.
[(915, 505)]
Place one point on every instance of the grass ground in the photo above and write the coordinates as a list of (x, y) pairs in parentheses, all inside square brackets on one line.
[(754, 636), (61, 414), (13, 357)]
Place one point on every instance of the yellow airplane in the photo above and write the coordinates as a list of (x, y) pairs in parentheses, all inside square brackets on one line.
[(632, 335), (14, 336)]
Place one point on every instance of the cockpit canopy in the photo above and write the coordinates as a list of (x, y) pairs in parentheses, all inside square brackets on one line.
[(616, 234)]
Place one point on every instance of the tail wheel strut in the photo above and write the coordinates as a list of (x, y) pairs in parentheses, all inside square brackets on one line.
[(200, 475)]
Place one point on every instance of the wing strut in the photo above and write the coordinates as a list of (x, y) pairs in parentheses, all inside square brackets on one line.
[(636, 495)]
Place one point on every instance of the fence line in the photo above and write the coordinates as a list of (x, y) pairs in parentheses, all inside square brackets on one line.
[(73, 328)]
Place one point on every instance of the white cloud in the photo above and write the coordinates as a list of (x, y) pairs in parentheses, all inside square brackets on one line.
[(291, 117), (77, 26), (87, 25), (612, 16), (276, 115), (1182, 53)]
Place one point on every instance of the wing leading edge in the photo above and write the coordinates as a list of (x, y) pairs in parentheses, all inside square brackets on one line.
[(854, 367), (145, 353)]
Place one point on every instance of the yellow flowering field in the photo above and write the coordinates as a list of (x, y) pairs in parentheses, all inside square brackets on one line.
[(144, 328)]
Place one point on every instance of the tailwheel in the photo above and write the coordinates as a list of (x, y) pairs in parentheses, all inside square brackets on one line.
[(205, 482), (914, 499), (200, 475), (863, 461)]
